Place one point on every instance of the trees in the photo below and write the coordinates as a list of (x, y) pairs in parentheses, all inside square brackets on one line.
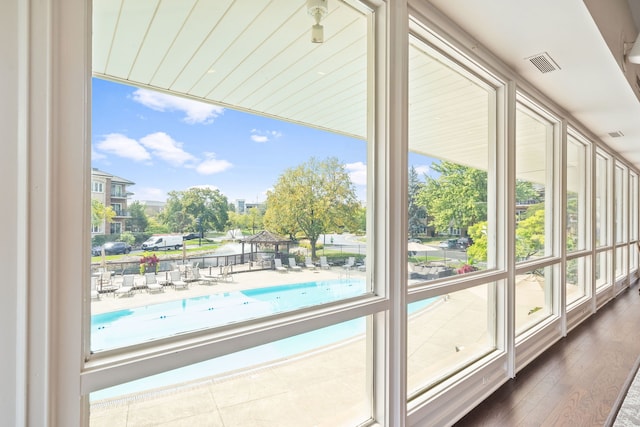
[(138, 221), (313, 198), (184, 207), (416, 212), (456, 198), (101, 213)]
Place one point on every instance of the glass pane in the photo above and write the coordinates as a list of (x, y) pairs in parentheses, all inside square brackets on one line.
[(534, 183), (238, 190), (602, 269), (451, 128), (576, 195), (577, 279), (448, 333), (620, 204), (317, 378), (621, 262), (602, 201), (534, 298), (633, 201)]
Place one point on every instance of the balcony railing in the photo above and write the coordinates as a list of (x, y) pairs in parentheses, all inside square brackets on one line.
[(119, 194), (122, 213)]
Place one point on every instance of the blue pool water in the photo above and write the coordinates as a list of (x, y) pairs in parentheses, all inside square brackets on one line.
[(125, 327), (136, 325)]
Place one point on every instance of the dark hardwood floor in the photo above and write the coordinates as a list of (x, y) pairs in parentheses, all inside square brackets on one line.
[(578, 380)]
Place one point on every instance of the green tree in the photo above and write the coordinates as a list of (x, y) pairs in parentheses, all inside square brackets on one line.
[(456, 198), (138, 221), (478, 251), (128, 237), (156, 227), (416, 212), (101, 213), (254, 220), (530, 232), (314, 198), (184, 207)]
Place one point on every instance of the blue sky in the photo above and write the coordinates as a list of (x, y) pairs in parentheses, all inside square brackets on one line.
[(165, 143)]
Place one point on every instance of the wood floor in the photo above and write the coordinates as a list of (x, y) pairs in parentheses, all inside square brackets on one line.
[(576, 382)]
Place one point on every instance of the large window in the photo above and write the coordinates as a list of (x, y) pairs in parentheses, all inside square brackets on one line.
[(577, 214), (535, 288), (254, 139), (451, 218)]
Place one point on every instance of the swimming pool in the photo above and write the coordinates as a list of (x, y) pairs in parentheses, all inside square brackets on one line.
[(115, 328), (132, 326)]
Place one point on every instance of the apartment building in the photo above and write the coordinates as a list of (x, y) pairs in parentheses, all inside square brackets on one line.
[(110, 190)]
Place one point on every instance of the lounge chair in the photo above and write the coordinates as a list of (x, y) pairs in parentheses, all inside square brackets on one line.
[(293, 265), (94, 288), (363, 265), (175, 278), (278, 266), (225, 274), (350, 263), (152, 284), (324, 263), (127, 286), (106, 284), (308, 263)]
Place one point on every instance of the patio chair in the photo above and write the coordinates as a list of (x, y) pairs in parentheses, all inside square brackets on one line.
[(350, 263), (175, 278), (225, 274), (152, 284), (193, 275), (106, 284), (127, 286), (94, 288), (293, 265), (278, 266), (308, 263), (324, 263)]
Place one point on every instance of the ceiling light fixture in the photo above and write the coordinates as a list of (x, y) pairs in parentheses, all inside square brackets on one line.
[(318, 9), (633, 55)]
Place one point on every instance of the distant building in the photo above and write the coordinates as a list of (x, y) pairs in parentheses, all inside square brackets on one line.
[(110, 190), (152, 207), (242, 207)]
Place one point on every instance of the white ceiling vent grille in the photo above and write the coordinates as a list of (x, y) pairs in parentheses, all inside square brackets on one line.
[(616, 134), (543, 62)]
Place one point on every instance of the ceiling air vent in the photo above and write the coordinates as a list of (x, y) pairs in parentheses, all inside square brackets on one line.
[(543, 62), (616, 134)]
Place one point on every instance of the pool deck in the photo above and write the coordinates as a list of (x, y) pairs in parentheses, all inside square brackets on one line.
[(239, 281), (327, 387)]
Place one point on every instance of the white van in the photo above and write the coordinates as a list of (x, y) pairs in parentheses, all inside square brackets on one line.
[(164, 241)]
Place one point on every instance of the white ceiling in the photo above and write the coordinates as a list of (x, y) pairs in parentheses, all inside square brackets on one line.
[(257, 56), (590, 84)]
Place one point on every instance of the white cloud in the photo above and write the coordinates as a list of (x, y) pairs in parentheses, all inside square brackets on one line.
[(195, 111), (149, 193), (422, 170), (123, 146), (168, 149), (357, 172), (262, 136), (212, 165), (259, 138), (96, 156)]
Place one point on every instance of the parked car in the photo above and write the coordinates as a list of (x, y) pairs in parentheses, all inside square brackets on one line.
[(112, 248), (465, 242), (190, 236), (448, 244)]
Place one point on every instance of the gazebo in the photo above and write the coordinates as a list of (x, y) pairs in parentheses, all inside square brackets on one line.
[(264, 238)]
